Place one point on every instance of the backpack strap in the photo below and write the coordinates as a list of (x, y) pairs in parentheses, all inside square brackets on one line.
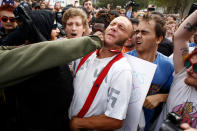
[(96, 86)]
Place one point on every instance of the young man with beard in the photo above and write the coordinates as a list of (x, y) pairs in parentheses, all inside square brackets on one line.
[(183, 93), (149, 33), (109, 107)]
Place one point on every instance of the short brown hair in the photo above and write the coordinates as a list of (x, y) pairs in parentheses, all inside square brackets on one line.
[(72, 12), (160, 28), (7, 7), (86, 1)]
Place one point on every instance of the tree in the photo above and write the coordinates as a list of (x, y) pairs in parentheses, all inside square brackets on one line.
[(173, 6), (122, 3), (113, 3)]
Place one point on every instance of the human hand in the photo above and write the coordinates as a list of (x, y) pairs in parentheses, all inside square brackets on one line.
[(152, 101), (186, 127), (100, 35), (73, 123)]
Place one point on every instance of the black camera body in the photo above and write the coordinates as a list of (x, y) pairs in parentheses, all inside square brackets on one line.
[(131, 3), (192, 8), (172, 123)]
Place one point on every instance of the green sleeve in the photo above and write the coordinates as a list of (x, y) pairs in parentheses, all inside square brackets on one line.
[(23, 62)]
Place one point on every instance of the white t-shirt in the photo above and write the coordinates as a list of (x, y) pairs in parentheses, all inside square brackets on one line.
[(182, 100), (114, 93)]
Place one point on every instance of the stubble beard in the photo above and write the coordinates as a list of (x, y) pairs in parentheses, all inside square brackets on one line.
[(120, 42)]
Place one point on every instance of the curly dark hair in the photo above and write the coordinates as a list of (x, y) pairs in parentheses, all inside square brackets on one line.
[(105, 17)]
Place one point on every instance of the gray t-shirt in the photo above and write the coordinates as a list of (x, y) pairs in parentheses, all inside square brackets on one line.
[(182, 100)]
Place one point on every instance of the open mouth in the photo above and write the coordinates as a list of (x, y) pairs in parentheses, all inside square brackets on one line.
[(138, 42), (73, 34)]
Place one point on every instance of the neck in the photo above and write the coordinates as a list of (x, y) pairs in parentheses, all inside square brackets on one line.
[(148, 56), (108, 52), (8, 31)]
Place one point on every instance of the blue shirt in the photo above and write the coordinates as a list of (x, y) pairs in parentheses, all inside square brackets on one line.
[(128, 14), (192, 44), (161, 82)]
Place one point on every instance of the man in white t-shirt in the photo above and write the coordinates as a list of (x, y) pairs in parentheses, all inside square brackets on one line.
[(183, 94), (109, 106)]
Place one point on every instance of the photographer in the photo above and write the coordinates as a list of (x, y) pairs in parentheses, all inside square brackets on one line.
[(129, 6), (129, 13), (183, 93)]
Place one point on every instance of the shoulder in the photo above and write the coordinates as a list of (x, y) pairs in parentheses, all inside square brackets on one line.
[(164, 63), (122, 65), (163, 59), (132, 53)]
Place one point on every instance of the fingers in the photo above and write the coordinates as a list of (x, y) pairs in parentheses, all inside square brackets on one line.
[(185, 126), (100, 35), (147, 104)]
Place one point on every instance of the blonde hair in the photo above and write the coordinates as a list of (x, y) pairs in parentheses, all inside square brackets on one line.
[(72, 12)]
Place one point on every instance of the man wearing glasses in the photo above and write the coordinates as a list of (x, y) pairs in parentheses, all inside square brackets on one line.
[(7, 19), (183, 93)]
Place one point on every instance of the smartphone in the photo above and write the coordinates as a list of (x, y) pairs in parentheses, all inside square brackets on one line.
[(193, 8)]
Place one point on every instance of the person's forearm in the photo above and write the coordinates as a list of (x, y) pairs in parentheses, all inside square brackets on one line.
[(163, 97), (100, 122), (18, 63), (181, 38), (187, 28)]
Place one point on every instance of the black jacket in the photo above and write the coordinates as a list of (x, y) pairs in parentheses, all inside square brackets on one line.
[(40, 103)]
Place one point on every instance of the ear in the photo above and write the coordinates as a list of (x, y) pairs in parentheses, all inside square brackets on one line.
[(84, 30), (159, 39)]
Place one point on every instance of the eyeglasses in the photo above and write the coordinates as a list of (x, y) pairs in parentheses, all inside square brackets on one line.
[(54, 27), (5, 19), (188, 64)]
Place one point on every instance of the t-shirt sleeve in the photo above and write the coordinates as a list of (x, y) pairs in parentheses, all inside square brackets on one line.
[(119, 94)]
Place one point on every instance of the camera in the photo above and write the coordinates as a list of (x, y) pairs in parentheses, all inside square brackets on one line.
[(20, 13), (172, 123), (131, 3), (192, 8)]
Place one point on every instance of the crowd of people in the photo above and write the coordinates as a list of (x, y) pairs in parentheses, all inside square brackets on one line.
[(63, 68)]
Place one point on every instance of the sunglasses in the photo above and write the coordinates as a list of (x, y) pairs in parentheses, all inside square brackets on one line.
[(54, 27), (5, 19), (188, 64)]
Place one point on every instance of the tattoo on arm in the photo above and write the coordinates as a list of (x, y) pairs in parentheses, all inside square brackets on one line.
[(184, 51), (190, 27)]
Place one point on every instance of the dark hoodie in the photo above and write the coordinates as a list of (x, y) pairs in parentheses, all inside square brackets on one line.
[(40, 103), (40, 24)]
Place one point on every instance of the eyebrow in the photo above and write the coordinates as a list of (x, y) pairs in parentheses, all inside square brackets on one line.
[(143, 31)]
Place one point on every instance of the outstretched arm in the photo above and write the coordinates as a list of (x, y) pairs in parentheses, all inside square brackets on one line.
[(181, 38), (20, 63)]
